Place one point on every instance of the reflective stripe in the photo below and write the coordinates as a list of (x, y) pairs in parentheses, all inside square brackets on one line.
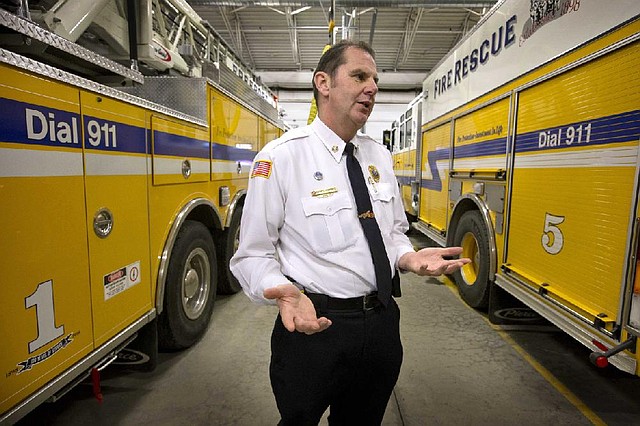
[(32, 162)]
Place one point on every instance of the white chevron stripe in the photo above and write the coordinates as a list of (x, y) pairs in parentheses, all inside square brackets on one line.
[(626, 156)]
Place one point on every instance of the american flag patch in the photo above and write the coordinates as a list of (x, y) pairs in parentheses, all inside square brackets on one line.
[(261, 168)]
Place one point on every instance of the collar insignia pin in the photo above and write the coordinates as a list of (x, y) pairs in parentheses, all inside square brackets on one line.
[(318, 176), (334, 148)]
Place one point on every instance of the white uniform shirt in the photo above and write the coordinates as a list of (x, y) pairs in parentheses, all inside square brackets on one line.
[(300, 218)]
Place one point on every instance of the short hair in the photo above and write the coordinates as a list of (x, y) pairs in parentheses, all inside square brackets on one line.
[(334, 57)]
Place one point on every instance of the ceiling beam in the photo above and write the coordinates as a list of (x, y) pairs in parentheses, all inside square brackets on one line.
[(244, 42), (237, 45), (412, 29), (301, 80), (348, 3), (466, 25), (409, 35), (237, 34), (319, 29), (374, 17)]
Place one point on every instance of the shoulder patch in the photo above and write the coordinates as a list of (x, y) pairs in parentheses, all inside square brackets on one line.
[(261, 168)]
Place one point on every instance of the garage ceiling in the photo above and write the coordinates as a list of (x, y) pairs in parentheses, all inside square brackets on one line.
[(281, 41)]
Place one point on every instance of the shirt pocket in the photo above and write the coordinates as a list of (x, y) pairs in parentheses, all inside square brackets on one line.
[(382, 196), (327, 222)]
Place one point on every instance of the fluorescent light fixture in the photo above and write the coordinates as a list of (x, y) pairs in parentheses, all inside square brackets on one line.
[(302, 9)]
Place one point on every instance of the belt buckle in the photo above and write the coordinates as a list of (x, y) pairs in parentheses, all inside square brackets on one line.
[(368, 302)]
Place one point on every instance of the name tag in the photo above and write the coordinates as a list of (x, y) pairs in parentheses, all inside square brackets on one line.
[(324, 192)]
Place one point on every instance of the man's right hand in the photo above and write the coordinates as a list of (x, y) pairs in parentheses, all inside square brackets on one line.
[(296, 309)]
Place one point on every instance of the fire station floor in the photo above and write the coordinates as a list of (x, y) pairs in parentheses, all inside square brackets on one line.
[(458, 370)]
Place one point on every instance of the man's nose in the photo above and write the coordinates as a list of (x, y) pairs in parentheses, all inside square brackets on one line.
[(372, 87)]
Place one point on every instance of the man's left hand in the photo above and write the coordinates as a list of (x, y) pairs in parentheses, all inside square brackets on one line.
[(430, 261)]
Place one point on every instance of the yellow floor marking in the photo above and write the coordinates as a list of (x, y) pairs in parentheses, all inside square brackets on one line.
[(573, 399)]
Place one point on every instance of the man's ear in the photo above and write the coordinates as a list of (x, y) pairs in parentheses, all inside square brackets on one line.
[(322, 82)]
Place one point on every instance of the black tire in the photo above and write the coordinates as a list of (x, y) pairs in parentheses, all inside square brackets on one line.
[(190, 289), (472, 279), (228, 284)]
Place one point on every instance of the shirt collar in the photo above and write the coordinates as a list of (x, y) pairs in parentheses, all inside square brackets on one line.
[(332, 142)]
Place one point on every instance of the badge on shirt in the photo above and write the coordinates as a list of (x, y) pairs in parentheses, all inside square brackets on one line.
[(261, 168), (373, 171)]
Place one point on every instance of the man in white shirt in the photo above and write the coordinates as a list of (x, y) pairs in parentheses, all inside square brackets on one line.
[(303, 244)]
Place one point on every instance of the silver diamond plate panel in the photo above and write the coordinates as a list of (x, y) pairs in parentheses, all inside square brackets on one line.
[(36, 67), (33, 31), (185, 94), (189, 94)]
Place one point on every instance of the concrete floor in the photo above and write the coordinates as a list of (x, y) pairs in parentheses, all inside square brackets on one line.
[(457, 371)]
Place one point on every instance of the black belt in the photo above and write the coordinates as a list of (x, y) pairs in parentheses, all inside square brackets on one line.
[(323, 302)]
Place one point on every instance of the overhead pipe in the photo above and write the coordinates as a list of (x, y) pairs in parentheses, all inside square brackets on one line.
[(332, 23), (313, 110)]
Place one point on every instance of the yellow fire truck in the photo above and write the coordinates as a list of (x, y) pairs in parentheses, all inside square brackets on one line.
[(529, 160), (122, 180), (404, 136)]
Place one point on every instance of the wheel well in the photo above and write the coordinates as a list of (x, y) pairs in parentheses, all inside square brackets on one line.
[(461, 208), (206, 216), (219, 233), (236, 205), (473, 203), (202, 211)]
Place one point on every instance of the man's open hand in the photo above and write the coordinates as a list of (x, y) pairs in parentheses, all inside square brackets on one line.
[(296, 309), (431, 261)]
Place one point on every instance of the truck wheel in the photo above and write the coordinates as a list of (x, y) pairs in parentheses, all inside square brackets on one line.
[(190, 289), (231, 238), (472, 279)]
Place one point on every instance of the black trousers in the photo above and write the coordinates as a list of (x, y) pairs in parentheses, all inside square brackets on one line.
[(351, 367)]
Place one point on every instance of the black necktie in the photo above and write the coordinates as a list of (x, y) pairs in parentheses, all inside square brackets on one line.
[(369, 226)]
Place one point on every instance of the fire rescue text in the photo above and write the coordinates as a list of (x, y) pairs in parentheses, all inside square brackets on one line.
[(502, 37)]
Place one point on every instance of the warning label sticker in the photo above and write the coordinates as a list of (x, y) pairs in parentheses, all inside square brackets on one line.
[(118, 281)]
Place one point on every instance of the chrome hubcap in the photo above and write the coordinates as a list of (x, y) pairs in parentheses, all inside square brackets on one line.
[(196, 280)]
